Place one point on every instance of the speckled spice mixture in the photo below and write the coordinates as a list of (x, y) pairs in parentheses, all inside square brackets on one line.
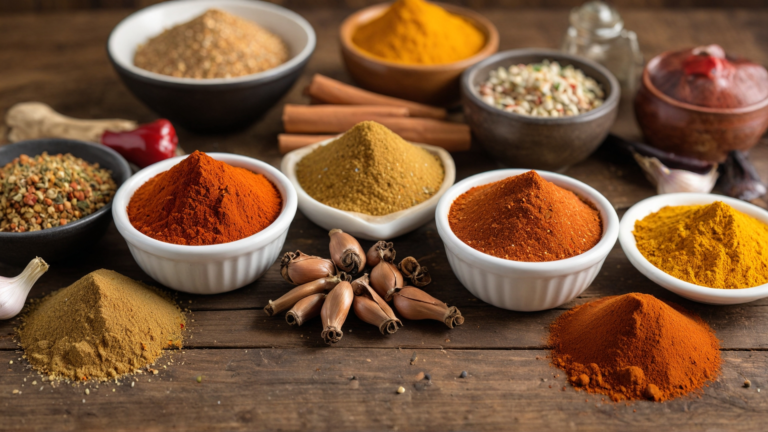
[(48, 191), (214, 45)]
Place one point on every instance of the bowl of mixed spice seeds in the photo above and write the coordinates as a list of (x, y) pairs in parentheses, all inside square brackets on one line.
[(539, 108), (211, 65), (55, 197)]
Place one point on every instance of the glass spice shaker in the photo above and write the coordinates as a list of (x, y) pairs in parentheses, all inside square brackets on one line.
[(597, 32)]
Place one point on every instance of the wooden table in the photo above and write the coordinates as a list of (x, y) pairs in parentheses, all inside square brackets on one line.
[(258, 373)]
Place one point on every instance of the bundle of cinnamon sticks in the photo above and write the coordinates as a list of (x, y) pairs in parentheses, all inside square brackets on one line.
[(341, 106)]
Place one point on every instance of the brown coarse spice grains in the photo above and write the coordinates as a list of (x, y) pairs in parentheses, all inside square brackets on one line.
[(102, 326), (214, 45), (49, 191), (370, 170), (525, 218)]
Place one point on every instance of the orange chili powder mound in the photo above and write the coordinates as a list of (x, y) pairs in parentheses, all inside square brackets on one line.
[(635, 346), (525, 218), (202, 201)]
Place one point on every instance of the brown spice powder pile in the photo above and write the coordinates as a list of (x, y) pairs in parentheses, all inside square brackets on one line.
[(370, 170), (525, 218), (213, 45), (102, 326), (635, 346)]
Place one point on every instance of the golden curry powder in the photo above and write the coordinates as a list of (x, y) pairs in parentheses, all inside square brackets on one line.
[(711, 245)]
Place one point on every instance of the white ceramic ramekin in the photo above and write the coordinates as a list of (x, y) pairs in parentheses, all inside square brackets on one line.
[(686, 289), (207, 269), (525, 286), (362, 225)]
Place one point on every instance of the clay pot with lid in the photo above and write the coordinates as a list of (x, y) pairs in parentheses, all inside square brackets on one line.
[(702, 103)]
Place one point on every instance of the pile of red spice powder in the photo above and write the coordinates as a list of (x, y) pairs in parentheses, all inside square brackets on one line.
[(635, 346), (202, 201), (525, 218)]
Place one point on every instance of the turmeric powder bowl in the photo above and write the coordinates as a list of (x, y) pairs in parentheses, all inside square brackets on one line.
[(518, 285), (210, 269), (701, 294), (436, 84)]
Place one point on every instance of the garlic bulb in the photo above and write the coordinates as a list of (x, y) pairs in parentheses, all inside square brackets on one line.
[(14, 291), (668, 180)]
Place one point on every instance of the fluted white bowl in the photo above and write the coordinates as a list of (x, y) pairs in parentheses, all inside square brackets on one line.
[(697, 293), (211, 269), (525, 286), (361, 225)]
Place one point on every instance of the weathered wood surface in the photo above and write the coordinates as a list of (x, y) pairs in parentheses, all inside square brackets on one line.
[(270, 376)]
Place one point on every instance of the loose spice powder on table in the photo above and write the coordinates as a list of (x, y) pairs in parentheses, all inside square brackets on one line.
[(635, 346), (202, 201), (711, 245), (525, 218)]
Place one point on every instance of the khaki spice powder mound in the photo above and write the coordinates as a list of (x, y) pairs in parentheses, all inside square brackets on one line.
[(370, 170), (214, 45), (102, 326)]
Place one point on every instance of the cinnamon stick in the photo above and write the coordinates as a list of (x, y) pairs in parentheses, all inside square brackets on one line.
[(450, 136), (331, 91), (323, 118), (290, 142)]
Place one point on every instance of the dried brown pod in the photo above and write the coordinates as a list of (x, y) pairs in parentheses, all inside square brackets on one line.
[(413, 303), (317, 286), (382, 250), (334, 311), (299, 268), (416, 273), (346, 252), (386, 279), (371, 308), (306, 309)]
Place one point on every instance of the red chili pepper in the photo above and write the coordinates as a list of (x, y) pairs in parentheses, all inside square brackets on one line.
[(145, 145), (706, 65)]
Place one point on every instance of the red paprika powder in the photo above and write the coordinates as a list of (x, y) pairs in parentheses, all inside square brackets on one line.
[(202, 201), (525, 218), (634, 346)]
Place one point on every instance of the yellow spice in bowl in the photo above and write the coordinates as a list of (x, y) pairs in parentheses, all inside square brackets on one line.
[(713, 245)]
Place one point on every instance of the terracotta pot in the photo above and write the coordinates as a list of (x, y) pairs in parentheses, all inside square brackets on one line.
[(430, 84), (694, 131)]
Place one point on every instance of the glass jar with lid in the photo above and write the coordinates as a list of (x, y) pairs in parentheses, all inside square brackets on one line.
[(597, 32)]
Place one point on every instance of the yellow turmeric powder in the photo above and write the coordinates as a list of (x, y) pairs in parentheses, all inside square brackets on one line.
[(711, 245), (417, 32)]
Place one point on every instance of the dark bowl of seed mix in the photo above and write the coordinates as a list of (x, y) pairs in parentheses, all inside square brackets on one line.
[(538, 108), (55, 197), (211, 65)]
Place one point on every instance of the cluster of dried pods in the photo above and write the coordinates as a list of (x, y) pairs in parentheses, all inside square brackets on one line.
[(325, 288)]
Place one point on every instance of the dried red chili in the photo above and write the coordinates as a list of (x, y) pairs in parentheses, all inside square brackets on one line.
[(525, 218)]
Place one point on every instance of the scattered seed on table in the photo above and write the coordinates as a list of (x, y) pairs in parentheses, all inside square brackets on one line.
[(200, 379), (428, 376), (401, 390), (420, 376), (87, 391), (463, 374), (747, 383)]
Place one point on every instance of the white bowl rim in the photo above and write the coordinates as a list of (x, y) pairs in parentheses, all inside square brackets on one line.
[(654, 203), (294, 61), (151, 245), (288, 167), (594, 255)]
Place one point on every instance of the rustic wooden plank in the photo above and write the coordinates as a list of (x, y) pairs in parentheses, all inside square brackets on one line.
[(308, 388)]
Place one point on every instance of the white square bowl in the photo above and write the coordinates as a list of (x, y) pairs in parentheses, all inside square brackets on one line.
[(697, 293), (210, 269), (526, 286), (362, 225)]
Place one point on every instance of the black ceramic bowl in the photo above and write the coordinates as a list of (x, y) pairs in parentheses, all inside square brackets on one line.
[(210, 105), (544, 143), (60, 242)]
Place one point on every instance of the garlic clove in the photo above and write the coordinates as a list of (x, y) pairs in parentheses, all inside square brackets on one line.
[(346, 252), (371, 312), (386, 279), (415, 304), (305, 309), (14, 291), (668, 180), (290, 298), (299, 268)]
